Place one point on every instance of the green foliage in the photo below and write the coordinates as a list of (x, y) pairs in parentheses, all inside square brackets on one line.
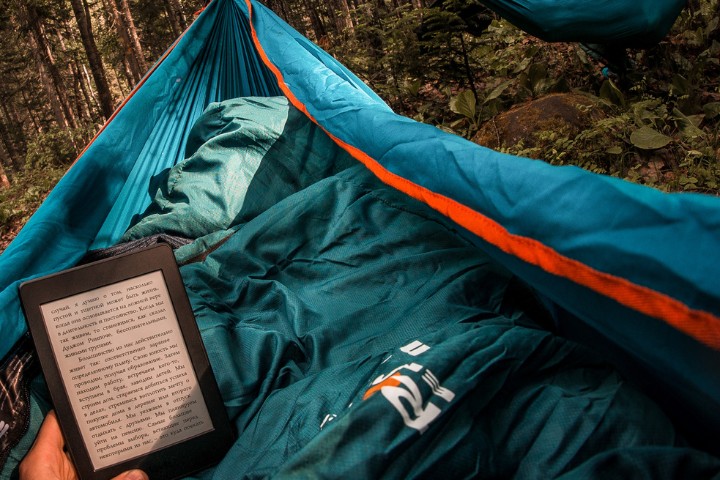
[(54, 148), (647, 138), (410, 57), (612, 94), (48, 157), (24, 196)]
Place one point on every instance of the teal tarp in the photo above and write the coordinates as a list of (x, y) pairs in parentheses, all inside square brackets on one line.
[(627, 268)]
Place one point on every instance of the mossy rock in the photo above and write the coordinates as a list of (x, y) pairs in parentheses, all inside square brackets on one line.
[(566, 114)]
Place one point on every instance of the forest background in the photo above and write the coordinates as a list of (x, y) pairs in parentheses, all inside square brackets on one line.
[(65, 65)]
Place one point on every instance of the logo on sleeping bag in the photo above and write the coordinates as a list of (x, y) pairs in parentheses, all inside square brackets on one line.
[(403, 393)]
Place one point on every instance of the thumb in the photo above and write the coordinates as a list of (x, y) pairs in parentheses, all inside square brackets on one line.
[(132, 475), (49, 435)]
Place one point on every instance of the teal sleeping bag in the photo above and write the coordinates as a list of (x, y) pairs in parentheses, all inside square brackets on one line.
[(356, 333)]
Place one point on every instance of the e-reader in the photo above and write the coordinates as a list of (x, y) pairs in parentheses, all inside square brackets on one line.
[(126, 367)]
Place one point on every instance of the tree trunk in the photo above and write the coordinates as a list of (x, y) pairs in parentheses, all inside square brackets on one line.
[(176, 16), (82, 101), (11, 134), (4, 180), (345, 20), (89, 103), (96, 66), (133, 60), (47, 83), (129, 24), (49, 73), (318, 27), (131, 69), (31, 111), (89, 87), (179, 13), (127, 72)]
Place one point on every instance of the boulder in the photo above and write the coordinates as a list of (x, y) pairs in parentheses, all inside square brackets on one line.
[(567, 114)]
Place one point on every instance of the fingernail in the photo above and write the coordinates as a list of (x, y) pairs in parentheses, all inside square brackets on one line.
[(135, 475)]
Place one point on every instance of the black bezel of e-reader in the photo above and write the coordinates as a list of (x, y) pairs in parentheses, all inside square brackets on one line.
[(168, 462)]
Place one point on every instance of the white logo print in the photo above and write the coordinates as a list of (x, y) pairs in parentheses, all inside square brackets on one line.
[(415, 348), (328, 418), (396, 387)]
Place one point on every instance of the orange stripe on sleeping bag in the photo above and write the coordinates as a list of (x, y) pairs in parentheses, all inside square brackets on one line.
[(701, 325)]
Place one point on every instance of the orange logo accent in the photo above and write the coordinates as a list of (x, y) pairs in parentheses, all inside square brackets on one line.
[(391, 381)]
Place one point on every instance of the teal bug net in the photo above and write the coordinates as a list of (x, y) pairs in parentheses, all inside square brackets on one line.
[(380, 298)]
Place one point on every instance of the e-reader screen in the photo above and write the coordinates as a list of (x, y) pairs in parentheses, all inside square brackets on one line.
[(120, 349)]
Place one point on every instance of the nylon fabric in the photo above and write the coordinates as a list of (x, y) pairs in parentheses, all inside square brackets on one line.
[(660, 242), (259, 144), (201, 202), (628, 23), (557, 206), (226, 68), (316, 295)]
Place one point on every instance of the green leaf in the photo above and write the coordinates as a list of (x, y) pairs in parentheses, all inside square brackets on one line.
[(686, 125), (688, 181), (412, 88), (532, 51), (696, 119), (681, 86), (712, 109), (616, 150), (712, 26), (484, 50), (648, 138), (464, 104), (537, 76), (611, 93), (497, 91), (523, 65)]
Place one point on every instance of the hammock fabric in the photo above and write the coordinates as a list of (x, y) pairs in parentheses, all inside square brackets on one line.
[(610, 22), (341, 254)]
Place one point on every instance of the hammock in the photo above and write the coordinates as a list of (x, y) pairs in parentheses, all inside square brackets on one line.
[(616, 22), (402, 247)]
